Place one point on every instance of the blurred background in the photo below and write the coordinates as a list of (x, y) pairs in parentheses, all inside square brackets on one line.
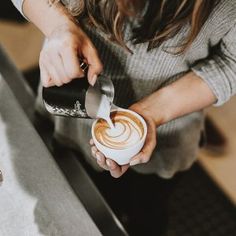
[(23, 41)]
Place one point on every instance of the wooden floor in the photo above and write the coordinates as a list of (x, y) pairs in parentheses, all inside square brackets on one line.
[(222, 167), (23, 43)]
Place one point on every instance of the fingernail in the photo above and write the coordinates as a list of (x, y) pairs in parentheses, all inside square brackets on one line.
[(93, 80), (91, 142), (93, 151), (99, 158), (108, 163), (134, 162)]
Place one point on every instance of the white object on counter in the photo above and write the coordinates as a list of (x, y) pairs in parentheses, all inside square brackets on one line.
[(35, 198)]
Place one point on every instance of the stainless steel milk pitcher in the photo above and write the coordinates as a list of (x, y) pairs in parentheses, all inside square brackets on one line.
[(78, 98)]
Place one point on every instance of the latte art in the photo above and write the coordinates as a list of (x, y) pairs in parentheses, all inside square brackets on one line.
[(127, 131)]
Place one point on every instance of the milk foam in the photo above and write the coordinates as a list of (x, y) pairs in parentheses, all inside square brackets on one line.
[(125, 133)]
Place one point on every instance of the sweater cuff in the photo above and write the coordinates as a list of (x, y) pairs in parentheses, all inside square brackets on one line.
[(213, 77)]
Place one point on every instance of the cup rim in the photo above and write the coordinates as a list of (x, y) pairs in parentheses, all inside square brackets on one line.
[(135, 114)]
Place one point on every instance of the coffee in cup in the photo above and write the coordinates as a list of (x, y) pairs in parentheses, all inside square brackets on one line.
[(122, 141)]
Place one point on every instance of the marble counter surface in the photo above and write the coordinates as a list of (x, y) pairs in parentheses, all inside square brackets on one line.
[(35, 198)]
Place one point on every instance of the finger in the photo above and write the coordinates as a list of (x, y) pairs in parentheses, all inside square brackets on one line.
[(118, 171), (137, 159), (150, 142), (48, 63), (51, 83), (94, 150), (99, 156), (54, 75), (96, 154), (111, 164), (142, 157), (71, 63), (45, 77), (60, 68), (149, 145), (101, 160), (95, 65), (91, 142)]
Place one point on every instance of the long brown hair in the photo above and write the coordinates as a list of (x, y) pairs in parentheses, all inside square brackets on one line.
[(160, 21)]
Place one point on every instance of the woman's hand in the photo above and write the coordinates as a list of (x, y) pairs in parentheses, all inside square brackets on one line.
[(59, 58), (142, 157), (175, 100), (65, 44)]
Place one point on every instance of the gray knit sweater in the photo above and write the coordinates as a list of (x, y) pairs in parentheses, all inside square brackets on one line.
[(212, 56)]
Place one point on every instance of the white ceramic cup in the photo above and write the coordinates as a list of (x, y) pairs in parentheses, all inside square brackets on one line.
[(122, 156)]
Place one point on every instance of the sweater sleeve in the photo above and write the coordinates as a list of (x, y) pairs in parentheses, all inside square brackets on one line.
[(19, 5), (219, 70)]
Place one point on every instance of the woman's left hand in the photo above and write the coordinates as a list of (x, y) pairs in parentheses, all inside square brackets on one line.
[(142, 157)]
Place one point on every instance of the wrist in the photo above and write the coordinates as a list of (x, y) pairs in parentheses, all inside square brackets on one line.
[(47, 15), (161, 110), (153, 107), (157, 107), (62, 20)]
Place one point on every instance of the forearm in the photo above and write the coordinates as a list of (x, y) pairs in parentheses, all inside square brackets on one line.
[(188, 94), (46, 14)]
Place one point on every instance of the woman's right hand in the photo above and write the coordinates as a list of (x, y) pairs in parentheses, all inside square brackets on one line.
[(59, 58)]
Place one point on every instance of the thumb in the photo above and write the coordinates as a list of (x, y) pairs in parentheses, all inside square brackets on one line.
[(94, 62)]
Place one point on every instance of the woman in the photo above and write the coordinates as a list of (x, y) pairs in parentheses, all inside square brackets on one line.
[(168, 60)]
